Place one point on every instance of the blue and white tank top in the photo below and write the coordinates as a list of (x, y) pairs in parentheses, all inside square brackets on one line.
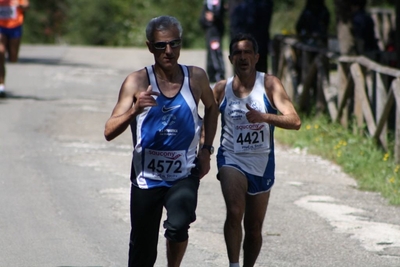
[(248, 145), (165, 136)]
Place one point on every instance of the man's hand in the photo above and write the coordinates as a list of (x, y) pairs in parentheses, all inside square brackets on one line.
[(204, 162), (253, 115), (146, 99)]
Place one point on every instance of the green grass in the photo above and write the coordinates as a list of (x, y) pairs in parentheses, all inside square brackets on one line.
[(359, 156)]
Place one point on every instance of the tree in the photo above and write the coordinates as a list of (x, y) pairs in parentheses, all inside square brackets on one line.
[(106, 22), (44, 21)]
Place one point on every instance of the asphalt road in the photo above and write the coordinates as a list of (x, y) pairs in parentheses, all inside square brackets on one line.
[(64, 190)]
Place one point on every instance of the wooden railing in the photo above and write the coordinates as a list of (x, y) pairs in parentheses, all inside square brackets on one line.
[(342, 86)]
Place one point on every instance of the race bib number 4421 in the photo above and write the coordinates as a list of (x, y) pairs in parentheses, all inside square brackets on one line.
[(250, 137), (166, 165)]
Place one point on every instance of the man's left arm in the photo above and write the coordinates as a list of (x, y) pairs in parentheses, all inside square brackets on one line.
[(288, 117), (210, 119)]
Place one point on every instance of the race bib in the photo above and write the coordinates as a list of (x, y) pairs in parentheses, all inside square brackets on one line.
[(250, 137), (165, 165), (8, 12)]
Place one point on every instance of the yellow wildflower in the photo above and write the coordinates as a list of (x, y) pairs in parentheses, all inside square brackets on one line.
[(386, 157), (396, 169)]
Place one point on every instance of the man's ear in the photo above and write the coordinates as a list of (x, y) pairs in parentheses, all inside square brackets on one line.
[(149, 46), (257, 56), (230, 59)]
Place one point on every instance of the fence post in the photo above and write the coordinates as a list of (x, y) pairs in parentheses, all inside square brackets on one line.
[(308, 72), (345, 88), (381, 102), (290, 78), (359, 85), (396, 91), (327, 92)]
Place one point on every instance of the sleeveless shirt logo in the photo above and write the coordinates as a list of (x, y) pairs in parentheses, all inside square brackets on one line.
[(237, 102), (254, 105), (167, 109), (168, 119), (166, 154), (253, 127)]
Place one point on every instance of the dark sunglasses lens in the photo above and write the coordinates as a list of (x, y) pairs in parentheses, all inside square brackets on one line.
[(175, 43), (163, 45), (160, 45)]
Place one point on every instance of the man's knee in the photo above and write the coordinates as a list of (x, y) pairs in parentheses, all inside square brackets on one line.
[(253, 229), (177, 234), (177, 227)]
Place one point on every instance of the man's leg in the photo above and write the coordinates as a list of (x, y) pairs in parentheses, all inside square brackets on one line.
[(180, 203), (217, 60), (215, 54), (256, 209), (3, 51), (146, 212), (211, 71), (175, 252), (234, 190), (13, 48)]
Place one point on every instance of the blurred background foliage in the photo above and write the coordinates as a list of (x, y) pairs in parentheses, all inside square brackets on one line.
[(122, 23)]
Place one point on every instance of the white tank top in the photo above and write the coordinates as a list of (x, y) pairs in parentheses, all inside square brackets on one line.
[(249, 145)]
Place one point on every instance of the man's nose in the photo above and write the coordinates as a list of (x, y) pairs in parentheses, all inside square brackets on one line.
[(168, 49)]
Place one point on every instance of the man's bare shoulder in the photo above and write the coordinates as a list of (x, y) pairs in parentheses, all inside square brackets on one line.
[(197, 72), (271, 80), (219, 90), (198, 78), (138, 75), (137, 80), (220, 86)]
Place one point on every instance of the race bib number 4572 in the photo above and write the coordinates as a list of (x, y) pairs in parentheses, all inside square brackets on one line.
[(166, 165), (250, 137)]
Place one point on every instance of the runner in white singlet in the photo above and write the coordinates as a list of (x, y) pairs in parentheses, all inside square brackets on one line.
[(249, 104), (249, 147)]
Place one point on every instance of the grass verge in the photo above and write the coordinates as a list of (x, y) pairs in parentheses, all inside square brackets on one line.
[(359, 156)]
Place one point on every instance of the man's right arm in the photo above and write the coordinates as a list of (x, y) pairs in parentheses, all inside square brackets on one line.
[(123, 112), (135, 94)]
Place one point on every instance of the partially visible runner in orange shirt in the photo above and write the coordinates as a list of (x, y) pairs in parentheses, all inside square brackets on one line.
[(11, 21)]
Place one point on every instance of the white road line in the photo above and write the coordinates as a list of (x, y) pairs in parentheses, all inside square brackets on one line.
[(373, 236)]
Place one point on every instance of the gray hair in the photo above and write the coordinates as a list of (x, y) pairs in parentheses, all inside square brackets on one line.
[(162, 23)]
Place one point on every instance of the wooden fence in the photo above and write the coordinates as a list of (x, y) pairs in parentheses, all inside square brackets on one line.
[(342, 86)]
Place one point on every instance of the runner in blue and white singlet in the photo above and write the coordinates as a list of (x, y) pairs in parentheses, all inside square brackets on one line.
[(251, 104), (160, 104), (165, 148), (247, 146)]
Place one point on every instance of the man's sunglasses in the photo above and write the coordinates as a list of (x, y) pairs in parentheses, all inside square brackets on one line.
[(163, 45)]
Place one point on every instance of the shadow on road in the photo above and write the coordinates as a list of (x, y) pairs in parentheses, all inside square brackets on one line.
[(9, 95), (48, 61)]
